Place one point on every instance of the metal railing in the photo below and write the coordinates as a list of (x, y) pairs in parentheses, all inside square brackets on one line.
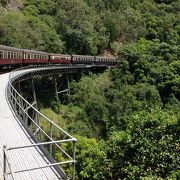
[(43, 131)]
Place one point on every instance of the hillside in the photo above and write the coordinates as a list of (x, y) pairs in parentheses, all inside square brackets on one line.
[(87, 27)]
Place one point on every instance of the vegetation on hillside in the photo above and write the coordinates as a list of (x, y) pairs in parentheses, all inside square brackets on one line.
[(127, 119)]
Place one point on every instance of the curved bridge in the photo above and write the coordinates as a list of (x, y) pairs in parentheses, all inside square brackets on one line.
[(26, 147)]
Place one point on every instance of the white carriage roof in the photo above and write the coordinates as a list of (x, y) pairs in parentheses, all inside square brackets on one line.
[(2, 47), (63, 55), (85, 56), (34, 51), (105, 57)]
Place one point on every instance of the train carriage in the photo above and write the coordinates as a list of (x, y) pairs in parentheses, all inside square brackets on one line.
[(10, 55), (105, 60), (34, 57), (60, 58), (82, 59)]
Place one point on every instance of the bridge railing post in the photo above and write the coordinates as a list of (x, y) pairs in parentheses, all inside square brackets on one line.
[(4, 163), (51, 136), (74, 158)]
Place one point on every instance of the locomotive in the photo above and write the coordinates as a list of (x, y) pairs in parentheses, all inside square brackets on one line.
[(10, 56)]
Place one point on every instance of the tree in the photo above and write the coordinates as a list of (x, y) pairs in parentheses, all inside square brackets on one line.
[(89, 156), (148, 146)]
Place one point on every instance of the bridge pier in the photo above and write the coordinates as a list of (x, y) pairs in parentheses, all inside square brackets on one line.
[(64, 84)]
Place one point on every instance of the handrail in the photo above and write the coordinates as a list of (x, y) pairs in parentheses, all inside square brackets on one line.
[(5, 162), (41, 113), (19, 105)]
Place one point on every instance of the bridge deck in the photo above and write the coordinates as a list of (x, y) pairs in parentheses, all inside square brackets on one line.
[(13, 134)]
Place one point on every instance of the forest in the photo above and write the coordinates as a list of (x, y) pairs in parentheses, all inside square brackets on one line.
[(126, 119)]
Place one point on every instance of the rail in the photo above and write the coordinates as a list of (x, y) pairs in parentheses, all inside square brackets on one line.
[(43, 131)]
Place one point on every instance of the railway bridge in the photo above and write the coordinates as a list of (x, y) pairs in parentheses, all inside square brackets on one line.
[(26, 147)]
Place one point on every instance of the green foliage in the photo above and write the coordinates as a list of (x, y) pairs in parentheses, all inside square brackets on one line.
[(147, 147), (55, 106), (90, 27), (89, 156), (28, 32), (153, 63)]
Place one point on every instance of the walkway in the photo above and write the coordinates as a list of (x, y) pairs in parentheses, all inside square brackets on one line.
[(13, 134)]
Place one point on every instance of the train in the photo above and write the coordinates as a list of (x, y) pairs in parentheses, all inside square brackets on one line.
[(10, 56)]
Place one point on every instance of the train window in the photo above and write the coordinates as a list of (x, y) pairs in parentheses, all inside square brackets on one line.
[(9, 55), (1, 54), (28, 56), (35, 56), (5, 55)]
